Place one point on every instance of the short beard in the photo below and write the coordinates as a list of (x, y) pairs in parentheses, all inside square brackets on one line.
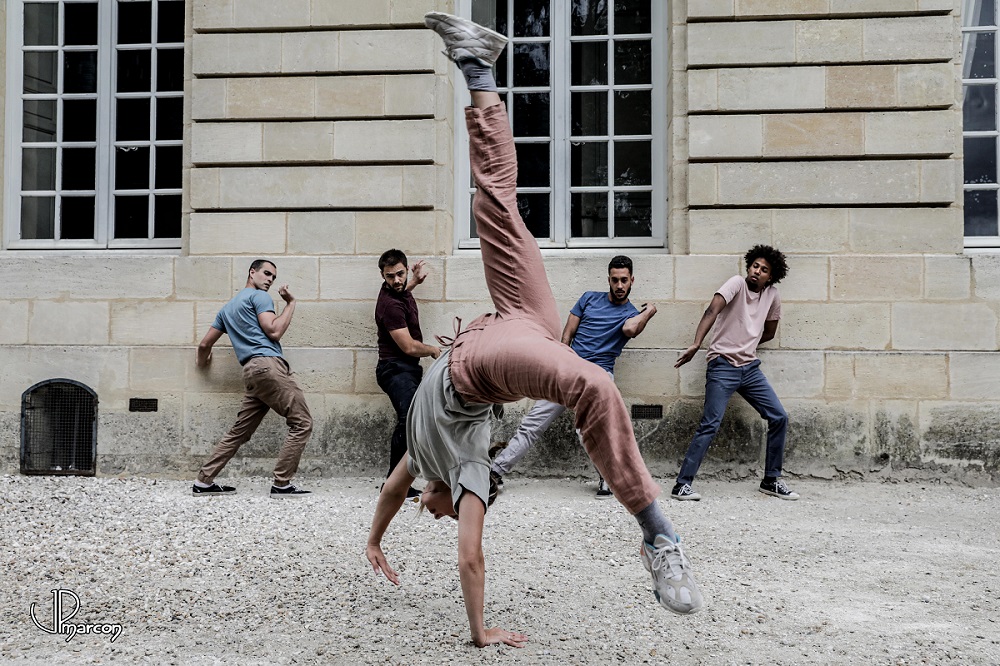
[(615, 300)]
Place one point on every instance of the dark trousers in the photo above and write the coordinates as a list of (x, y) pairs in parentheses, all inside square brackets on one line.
[(399, 380)]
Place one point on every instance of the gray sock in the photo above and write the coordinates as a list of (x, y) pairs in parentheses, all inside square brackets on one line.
[(653, 522), (478, 76)]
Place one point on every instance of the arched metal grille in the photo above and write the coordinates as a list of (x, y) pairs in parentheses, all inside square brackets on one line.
[(59, 428)]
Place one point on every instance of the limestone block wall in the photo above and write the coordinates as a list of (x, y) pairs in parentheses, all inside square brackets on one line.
[(320, 133)]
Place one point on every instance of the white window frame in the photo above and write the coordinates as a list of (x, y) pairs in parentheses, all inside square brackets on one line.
[(987, 242), (107, 50), (559, 117)]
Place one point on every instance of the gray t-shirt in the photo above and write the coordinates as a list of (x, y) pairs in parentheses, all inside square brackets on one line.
[(447, 439), (238, 320)]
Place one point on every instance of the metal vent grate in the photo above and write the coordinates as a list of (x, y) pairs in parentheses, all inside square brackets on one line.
[(647, 411), (59, 428), (143, 404)]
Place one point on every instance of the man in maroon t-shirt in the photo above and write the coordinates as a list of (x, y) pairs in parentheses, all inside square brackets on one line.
[(400, 344)]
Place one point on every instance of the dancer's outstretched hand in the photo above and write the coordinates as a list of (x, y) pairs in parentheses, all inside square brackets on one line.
[(379, 564), (498, 635), (419, 270)]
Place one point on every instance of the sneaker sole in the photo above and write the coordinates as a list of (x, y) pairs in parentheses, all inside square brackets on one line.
[(290, 496), (194, 494), (778, 495), (601, 496), (680, 498), (452, 20)]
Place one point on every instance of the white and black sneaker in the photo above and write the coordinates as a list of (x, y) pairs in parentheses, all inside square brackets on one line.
[(777, 488), (683, 492), (603, 490), (288, 491), (673, 584), (214, 490), (465, 40)]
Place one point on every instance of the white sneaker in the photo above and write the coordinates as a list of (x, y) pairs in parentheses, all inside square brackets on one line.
[(464, 40), (673, 584)]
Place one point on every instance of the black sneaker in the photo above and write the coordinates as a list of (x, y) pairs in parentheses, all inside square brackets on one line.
[(496, 449), (683, 492), (777, 488), (288, 491), (214, 490), (603, 491)]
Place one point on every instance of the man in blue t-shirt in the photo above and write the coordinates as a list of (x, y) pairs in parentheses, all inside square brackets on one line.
[(255, 331), (597, 329)]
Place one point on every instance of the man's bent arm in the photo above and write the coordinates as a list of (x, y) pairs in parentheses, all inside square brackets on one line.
[(770, 328), (634, 326), (204, 356), (717, 305), (411, 347), (275, 327), (569, 330)]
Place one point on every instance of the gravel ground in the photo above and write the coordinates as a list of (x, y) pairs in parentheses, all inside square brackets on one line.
[(853, 573)]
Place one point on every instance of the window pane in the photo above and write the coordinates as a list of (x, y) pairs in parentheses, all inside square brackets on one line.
[(132, 120), (531, 65), (131, 168), (40, 72), (80, 71), (79, 166), (534, 210), (980, 160), (134, 71), (167, 216), (590, 17), (38, 218), (589, 165), (168, 167), (979, 110), (978, 50), (981, 12), (981, 213), (41, 28), (531, 114), (633, 163), (531, 18), (633, 214), (632, 62), (169, 70), (500, 71), (38, 169), (169, 118), (632, 17), (532, 164), (131, 217), (39, 120), (80, 28), (491, 13), (80, 120), (170, 21), (589, 215), (633, 112), (135, 20), (76, 218), (589, 113), (589, 61)]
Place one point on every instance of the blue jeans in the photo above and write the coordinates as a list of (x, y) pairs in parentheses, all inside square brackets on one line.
[(722, 380)]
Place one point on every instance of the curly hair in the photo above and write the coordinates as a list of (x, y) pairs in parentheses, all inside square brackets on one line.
[(773, 256)]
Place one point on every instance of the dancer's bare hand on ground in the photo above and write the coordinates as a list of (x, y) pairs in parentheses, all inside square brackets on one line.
[(379, 564), (285, 294), (686, 356), (498, 635)]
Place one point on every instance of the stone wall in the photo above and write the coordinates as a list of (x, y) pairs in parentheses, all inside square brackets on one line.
[(321, 133)]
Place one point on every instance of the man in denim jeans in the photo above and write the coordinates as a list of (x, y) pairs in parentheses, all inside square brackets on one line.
[(400, 344), (747, 310)]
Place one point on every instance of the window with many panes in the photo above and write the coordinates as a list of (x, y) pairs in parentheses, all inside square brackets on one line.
[(585, 86), (979, 116), (94, 123)]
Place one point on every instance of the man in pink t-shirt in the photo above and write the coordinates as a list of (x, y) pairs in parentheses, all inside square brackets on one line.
[(745, 313)]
